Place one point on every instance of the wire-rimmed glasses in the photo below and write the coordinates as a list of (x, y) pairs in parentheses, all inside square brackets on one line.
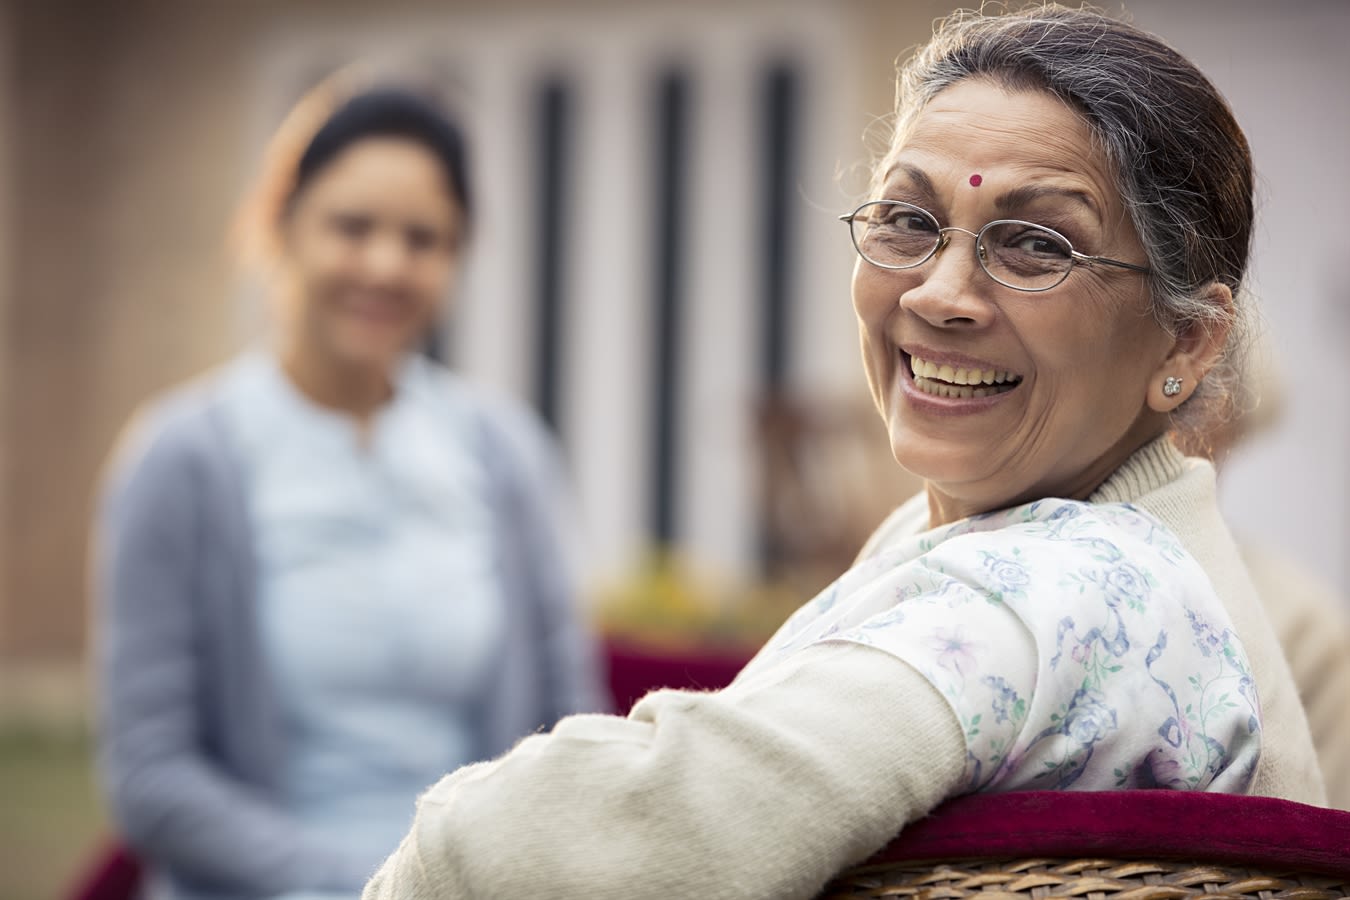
[(891, 234)]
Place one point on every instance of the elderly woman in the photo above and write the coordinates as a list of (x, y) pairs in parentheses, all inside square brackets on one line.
[(1048, 283)]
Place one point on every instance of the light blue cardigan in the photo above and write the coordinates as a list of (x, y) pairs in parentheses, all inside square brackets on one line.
[(188, 739)]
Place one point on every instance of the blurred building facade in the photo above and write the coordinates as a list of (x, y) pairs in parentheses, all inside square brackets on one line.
[(658, 251)]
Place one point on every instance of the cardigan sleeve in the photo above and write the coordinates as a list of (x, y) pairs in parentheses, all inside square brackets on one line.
[(544, 526), (764, 789), (170, 801)]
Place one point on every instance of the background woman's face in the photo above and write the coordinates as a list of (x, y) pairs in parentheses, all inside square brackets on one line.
[(1079, 357), (368, 250)]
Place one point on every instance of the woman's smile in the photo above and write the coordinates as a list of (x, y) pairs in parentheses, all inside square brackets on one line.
[(381, 307), (956, 378)]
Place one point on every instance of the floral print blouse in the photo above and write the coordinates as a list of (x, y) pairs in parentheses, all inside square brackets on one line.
[(1078, 644)]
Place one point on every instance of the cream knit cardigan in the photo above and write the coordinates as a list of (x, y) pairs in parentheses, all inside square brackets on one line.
[(769, 787)]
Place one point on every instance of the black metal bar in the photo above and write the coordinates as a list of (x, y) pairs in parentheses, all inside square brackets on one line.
[(671, 157), (778, 163), (553, 111)]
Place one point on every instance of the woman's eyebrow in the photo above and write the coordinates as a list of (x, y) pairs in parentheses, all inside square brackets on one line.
[(917, 176), (1010, 200)]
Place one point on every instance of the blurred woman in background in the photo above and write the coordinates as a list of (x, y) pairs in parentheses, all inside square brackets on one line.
[(331, 571)]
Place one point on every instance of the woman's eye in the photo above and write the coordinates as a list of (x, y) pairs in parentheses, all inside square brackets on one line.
[(1039, 244), (351, 226), (912, 222), (904, 220), (420, 239)]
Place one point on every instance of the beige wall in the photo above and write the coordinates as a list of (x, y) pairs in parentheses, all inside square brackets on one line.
[(125, 149)]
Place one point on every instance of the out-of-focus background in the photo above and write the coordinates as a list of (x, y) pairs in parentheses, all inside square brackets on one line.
[(658, 269)]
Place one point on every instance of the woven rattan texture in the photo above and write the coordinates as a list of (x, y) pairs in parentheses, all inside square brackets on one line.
[(1090, 879)]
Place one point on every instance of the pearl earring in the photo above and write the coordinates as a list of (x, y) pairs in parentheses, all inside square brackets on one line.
[(1171, 386)]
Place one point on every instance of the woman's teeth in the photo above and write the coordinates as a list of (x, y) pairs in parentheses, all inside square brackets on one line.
[(965, 384)]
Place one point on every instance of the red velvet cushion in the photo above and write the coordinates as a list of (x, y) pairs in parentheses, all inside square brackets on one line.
[(1178, 825), (635, 670), (1215, 828)]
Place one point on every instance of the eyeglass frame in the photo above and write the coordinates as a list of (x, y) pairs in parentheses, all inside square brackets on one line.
[(943, 239)]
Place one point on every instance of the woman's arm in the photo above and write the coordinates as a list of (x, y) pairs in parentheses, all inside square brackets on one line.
[(764, 789), (171, 802), (544, 525)]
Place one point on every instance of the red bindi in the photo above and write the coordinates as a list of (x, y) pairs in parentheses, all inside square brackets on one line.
[(976, 179)]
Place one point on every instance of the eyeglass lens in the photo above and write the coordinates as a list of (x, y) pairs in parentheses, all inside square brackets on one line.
[(1013, 253)]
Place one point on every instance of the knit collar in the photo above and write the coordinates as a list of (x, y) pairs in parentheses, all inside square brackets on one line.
[(1152, 466)]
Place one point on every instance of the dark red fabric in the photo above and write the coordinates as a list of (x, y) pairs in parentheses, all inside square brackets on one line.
[(112, 874), (635, 670), (1217, 828), (1214, 828)]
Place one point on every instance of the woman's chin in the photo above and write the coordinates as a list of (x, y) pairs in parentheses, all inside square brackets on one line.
[(371, 348), (953, 470)]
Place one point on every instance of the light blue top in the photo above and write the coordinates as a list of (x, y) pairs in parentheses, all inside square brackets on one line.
[(379, 610)]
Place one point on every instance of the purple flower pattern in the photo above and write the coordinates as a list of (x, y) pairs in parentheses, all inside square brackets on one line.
[(1079, 646)]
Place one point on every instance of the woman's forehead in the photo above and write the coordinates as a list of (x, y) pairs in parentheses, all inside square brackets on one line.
[(1018, 144)]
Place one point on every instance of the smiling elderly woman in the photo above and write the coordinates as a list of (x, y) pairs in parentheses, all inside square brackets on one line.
[(1048, 283)]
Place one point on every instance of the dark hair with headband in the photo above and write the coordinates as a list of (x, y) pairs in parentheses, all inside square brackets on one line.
[(388, 112)]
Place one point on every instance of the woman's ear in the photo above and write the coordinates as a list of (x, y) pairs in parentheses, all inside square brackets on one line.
[(1194, 352)]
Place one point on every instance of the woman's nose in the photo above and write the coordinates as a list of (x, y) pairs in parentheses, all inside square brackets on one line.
[(386, 257), (954, 289)]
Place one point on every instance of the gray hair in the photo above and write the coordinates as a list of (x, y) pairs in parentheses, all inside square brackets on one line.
[(1182, 164)]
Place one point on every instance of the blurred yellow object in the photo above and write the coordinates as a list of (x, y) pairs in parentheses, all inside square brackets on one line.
[(668, 604)]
